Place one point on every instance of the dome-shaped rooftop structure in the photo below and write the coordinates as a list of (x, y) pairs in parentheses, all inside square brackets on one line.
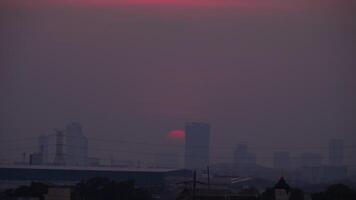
[(282, 184)]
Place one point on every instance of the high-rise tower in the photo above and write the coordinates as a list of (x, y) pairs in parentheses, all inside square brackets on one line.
[(76, 145), (197, 140), (59, 157), (43, 146)]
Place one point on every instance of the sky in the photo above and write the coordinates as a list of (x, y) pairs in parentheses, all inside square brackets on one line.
[(269, 73)]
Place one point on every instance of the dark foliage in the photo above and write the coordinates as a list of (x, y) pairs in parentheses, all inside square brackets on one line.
[(336, 192), (36, 189), (103, 188), (92, 189), (268, 194), (295, 194)]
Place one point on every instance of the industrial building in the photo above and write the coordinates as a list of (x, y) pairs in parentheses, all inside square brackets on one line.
[(245, 161), (65, 147), (65, 174)]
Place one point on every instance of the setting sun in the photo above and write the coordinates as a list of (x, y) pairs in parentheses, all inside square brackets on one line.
[(176, 134)]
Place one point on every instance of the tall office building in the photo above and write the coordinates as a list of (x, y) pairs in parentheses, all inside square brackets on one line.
[(281, 160), (76, 145), (197, 140), (251, 160), (240, 156), (59, 156), (336, 152), (43, 148), (311, 168)]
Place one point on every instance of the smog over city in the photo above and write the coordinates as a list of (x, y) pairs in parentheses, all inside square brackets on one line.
[(254, 93)]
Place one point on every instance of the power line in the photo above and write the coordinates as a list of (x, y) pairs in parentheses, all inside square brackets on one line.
[(155, 154), (222, 147)]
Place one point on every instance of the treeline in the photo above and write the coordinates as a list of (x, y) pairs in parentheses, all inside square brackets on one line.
[(336, 192), (92, 189), (333, 192)]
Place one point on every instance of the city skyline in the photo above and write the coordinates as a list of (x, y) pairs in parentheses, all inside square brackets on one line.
[(271, 76), (177, 99), (242, 155)]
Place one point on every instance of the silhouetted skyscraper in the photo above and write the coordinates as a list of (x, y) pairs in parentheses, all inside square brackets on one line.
[(43, 145), (311, 167), (76, 145), (251, 159), (197, 142), (59, 157), (336, 152), (240, 156)]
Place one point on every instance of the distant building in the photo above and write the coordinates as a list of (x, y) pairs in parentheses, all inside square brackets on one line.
[(122, 163), (281, 160), (58, 175), (76, 145), (251, 159), (240, 155), (197, 142), (47, 148), (311, 169), (58, 193), (93, 161), (59, 155), (335, 173), (36, 159), (43, 148), (336, 153), (244, 161)]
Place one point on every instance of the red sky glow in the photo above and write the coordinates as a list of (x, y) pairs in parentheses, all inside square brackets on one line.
[(176, 134)]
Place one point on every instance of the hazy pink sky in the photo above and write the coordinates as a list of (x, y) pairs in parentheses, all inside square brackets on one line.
[(240, 3), (265, 78)]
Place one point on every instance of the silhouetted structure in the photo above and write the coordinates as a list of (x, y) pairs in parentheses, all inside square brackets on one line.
[(36, 159), (281, 190), (197, 142), (311, 168), (244, 161), (59, 157), (43, 145), (76, 145), (337, 191), (60, 174)]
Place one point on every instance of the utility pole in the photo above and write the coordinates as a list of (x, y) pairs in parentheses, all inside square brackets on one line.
[(208, 172), (194, 183), (24, 158)]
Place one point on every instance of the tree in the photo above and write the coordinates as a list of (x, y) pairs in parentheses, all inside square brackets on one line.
[(103, 188), (268, 194), (336, 192)]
